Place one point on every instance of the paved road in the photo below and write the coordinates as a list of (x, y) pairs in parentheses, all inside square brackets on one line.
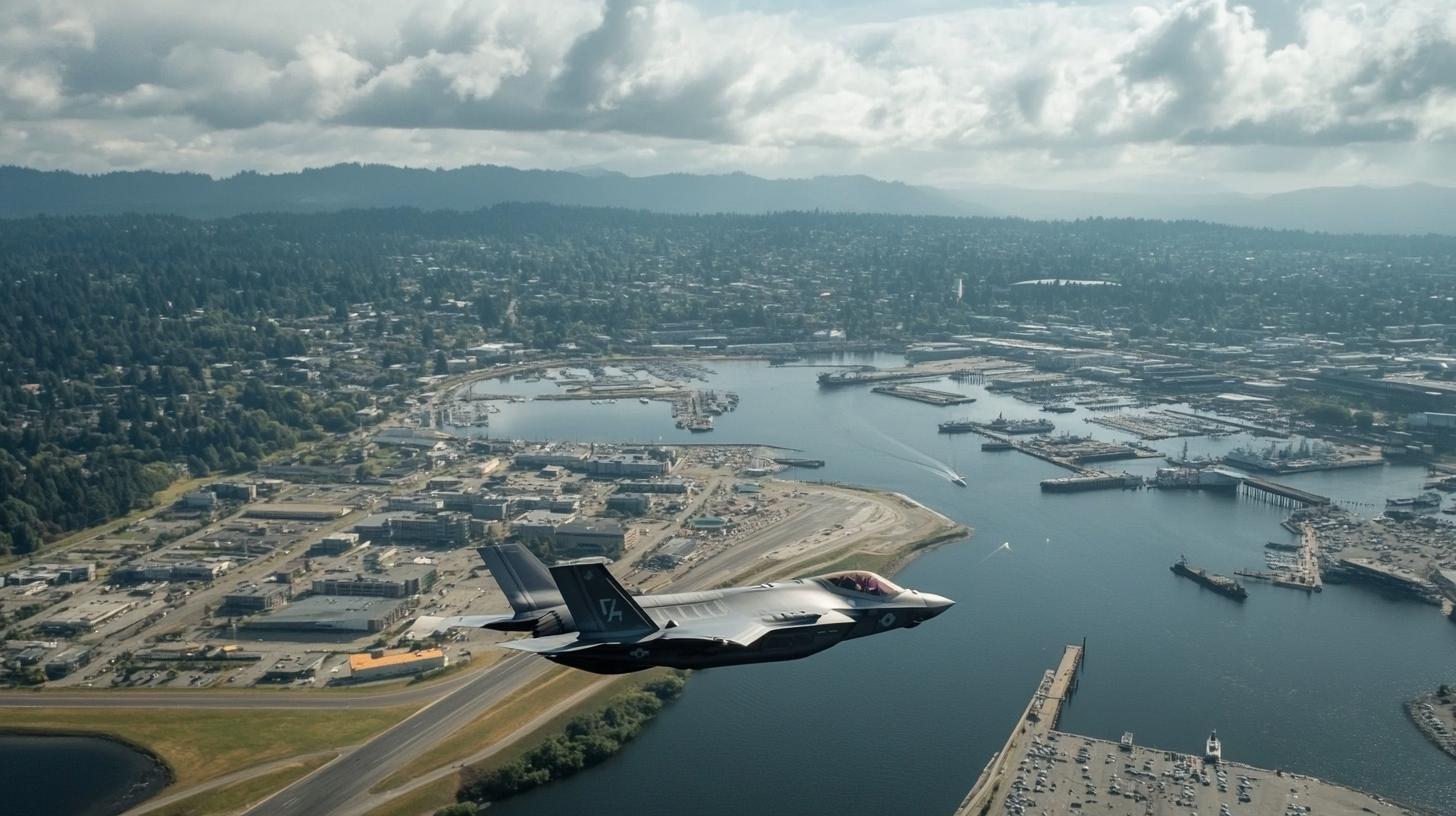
[(331, 788)]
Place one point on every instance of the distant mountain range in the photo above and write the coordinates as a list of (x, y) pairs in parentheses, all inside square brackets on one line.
[(1413, 208), (1409, 209), (32, 192)]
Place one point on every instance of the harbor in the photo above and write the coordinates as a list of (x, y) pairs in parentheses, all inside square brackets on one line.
[(1106, 550), (1043, 770)]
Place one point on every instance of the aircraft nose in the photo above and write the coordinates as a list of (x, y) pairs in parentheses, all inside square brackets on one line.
[(936, 604)]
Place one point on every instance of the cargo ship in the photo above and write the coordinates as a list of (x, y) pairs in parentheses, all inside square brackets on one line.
[(996, 445), (1222, 584), (1020, 426), (1058, 408), (957, 426)]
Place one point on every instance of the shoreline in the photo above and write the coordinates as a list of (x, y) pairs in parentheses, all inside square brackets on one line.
[(1447, 747)]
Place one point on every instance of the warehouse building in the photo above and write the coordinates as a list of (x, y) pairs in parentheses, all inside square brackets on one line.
[(322, 613), (52, 574), (251, 599), (83, 617), (590, 537), (439, 530), (68, 661), (287, 511), (379, 559), (628, 464), (334, 544), (235, 491), (377, 665), (630, 504), (400, 582), (654, 486)]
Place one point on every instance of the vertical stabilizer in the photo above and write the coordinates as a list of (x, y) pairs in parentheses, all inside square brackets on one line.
[(525, 581), (599, 605)]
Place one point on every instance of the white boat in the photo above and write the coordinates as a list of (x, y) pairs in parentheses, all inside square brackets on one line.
[(957, 479), (644, 400), (1213, 751)]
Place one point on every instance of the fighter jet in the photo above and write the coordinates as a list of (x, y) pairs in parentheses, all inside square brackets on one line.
[(580, 616)]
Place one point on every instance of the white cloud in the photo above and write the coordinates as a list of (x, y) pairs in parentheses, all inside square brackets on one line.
[(1181, 85)]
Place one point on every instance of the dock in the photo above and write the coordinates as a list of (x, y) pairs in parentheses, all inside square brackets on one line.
[(1043, 770), (1305, 577), (929, 396)]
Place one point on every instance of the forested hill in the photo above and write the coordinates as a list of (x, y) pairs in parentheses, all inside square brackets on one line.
[(26, 192), (138, 349)]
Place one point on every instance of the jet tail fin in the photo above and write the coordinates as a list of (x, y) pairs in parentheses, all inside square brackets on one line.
[(526, 582), (599, 605)]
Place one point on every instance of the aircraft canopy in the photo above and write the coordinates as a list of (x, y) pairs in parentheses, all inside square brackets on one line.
[(866, 582)]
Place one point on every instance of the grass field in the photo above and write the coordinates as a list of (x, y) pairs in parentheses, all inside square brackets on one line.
[(199, 745), (423, 800), (238, 795)]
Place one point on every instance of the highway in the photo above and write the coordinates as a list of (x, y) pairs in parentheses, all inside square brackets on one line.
[(331, 788)]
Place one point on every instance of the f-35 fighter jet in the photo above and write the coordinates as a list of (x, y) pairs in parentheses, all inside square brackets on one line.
[(581, 616)]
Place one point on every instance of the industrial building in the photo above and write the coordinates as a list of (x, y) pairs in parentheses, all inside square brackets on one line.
[(199, 500), (630, 504), (68, 661), (590, 537), (323, 613), (539, 523), (52, 574), (287, 511), (258, 598), (628, 464), (235, 491), (673, 485), (425, 530), (83, 617), (377, 665), (334, 544), (380, 558), (400, 582)]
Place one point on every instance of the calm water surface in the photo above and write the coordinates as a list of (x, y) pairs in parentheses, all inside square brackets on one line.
[(73, 776), (904, 723)]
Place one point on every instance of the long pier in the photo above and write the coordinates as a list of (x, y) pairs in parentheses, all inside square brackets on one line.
[(929, 396), (1040, 718), (1280, 493)]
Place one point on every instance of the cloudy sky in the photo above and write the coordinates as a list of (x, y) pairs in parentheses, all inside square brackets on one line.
[(1259, 96)]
